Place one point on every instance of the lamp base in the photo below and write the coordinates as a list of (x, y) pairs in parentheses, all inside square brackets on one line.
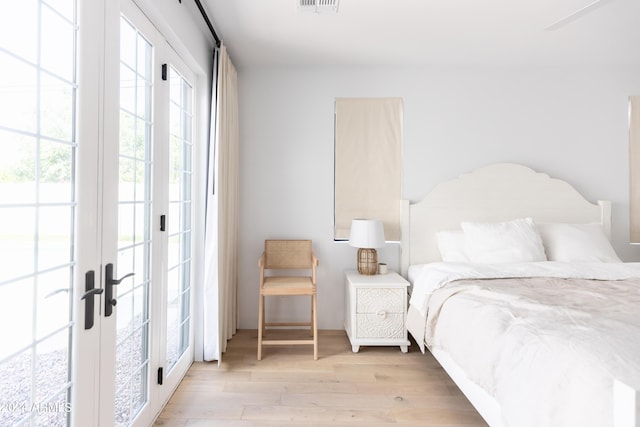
[(367, 261)]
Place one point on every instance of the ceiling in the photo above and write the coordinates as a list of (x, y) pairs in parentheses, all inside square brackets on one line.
[(423, 32)]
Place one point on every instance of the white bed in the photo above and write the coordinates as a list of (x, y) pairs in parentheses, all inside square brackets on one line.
[(515, 370)]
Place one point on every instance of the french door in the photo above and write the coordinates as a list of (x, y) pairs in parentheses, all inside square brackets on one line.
[(38, 204), (153, 329), (96, 120)]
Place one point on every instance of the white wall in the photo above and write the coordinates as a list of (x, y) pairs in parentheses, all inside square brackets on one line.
[(569, 123)]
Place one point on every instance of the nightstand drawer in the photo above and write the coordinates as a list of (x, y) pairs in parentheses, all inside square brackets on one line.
[(380, 325), (372, 300)]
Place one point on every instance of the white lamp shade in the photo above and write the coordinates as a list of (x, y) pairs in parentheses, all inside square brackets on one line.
[(366, 233)]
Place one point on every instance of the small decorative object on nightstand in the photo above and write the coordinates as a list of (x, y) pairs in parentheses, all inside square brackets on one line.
[(367, 235), (376, 310)]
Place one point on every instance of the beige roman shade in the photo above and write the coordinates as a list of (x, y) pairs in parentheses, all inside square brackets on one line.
[(368, 163), (634, 168)]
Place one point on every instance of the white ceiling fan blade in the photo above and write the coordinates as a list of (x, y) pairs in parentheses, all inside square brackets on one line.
[(577, 14)]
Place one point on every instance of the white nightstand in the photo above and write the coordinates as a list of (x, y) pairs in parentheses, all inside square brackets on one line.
[(376, 310)]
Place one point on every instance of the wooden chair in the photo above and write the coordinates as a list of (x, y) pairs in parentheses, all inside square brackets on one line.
[(278, 256)]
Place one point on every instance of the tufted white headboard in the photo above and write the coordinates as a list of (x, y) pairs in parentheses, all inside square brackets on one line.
[(494, 193)]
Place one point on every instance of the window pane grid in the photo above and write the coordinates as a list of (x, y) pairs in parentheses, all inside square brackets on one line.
[(179, 266), (69, 19), (37, 139), (134, 223), (7, 56), (36, 342), (69, 143)]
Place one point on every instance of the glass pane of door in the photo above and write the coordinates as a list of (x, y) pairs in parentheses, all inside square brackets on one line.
[(134, 223), (179, 218), (37, 210)]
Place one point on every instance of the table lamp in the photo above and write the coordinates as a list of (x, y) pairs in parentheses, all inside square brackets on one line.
[(366, 235)]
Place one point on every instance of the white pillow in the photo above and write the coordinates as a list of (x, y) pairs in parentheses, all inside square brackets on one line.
[(452, 245), (576, 243), (512, 241)]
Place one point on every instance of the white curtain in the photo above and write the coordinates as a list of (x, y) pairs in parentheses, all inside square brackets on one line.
[(221, 271)]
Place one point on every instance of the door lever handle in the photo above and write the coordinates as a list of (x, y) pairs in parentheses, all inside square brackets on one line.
[(117, 281), (89, 282), (109, 283)]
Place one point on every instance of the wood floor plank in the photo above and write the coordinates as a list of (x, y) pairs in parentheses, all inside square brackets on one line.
[(378, 386), (341, 416)]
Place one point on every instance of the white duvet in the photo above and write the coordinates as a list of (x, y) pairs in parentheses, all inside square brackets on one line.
[(544, 339)]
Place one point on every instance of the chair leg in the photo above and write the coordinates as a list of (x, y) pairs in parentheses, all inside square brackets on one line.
[(260, 325), (315, 327), (311, 322), (264, 316)]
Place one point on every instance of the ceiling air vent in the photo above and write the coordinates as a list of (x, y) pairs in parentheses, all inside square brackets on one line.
[(318, 6)]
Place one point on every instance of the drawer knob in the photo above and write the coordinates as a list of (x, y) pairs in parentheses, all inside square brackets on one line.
[(382, 314)]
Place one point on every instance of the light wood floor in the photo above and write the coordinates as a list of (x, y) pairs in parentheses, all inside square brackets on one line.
[(378, 386)]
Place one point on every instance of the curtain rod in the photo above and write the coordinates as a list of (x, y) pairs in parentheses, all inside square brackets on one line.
[(208, 21)]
